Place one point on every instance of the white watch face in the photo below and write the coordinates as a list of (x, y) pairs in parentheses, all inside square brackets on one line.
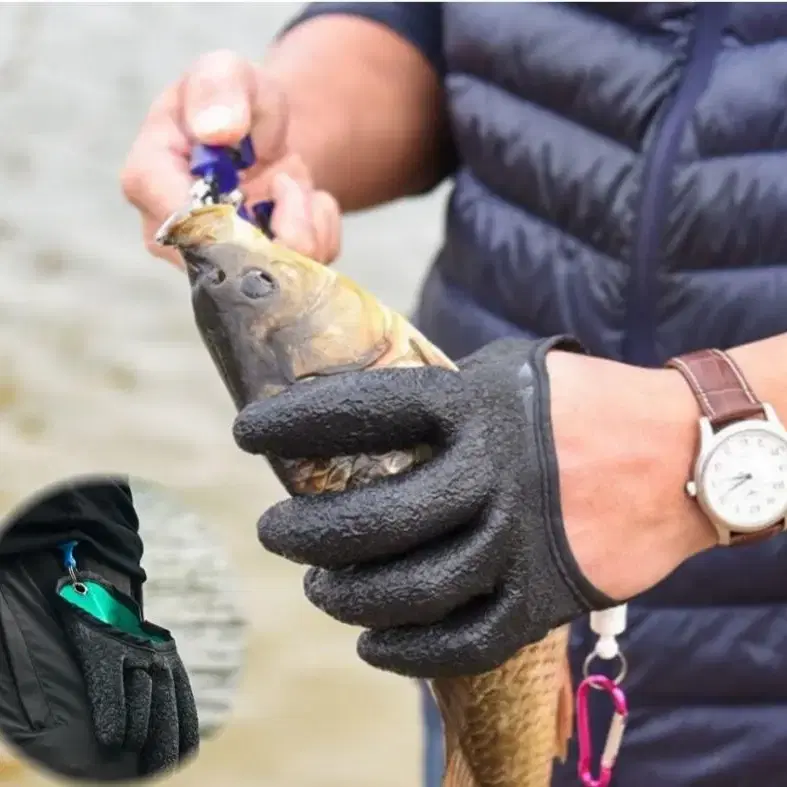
[(744, 479)]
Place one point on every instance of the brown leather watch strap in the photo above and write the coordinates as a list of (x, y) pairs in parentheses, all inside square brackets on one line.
[(724, 396), (741, 539), (719, 385)]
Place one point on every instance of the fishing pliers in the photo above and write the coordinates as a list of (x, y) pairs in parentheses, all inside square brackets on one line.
[(217, 171)]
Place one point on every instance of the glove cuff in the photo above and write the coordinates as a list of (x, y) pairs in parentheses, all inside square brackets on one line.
[(584, 592)]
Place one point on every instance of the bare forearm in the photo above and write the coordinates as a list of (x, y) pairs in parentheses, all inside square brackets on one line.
[(366, 109)]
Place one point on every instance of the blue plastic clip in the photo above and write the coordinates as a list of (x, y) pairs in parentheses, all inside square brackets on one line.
[(69, 561), (218, 168)]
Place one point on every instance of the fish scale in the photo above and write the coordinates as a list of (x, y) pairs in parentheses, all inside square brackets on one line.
[(503, 723), (502, 728)]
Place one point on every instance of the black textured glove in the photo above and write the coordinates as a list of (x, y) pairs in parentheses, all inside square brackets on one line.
[(457, 564), (138, 689)]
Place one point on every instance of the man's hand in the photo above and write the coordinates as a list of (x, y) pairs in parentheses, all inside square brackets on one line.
[(456, 565), (220, 100)]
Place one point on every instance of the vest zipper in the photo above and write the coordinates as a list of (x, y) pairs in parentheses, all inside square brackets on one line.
[(639, 345)]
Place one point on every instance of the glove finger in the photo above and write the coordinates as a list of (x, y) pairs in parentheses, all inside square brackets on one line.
[(384, 519), (418, 589), (474, 639), (357, 412), (102, 669), (139, 691), (188, 718), (162, 749)]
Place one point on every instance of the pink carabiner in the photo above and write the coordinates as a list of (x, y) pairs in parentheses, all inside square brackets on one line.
[(614, 735)]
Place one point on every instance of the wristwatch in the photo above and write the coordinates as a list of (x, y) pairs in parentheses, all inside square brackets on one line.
[(740, 474)]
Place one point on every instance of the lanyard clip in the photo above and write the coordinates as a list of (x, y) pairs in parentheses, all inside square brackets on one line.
[(69, 561), (70, 564), (608, 624), (614, 733), (217, 171)]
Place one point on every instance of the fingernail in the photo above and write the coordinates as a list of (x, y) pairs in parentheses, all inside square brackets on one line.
[(214, 120)]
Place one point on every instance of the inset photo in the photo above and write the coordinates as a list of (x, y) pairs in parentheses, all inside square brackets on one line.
[(11, 766), (121, 645)]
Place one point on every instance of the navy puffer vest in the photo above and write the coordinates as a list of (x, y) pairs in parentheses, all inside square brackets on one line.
[(623, 177)]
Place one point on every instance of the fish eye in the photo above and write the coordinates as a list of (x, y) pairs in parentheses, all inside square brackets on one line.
[(255, 283)]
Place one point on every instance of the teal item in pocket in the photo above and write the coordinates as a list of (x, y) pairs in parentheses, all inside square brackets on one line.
[(94, 599)]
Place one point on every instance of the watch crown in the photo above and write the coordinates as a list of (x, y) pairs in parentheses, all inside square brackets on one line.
[(691, 489)]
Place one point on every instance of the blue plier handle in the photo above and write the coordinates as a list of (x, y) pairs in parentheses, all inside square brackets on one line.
[(217, 168)]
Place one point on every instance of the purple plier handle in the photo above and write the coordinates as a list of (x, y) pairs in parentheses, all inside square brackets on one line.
[(219, 165)]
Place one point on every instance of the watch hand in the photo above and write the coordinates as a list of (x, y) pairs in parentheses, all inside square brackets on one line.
[(741, 480)]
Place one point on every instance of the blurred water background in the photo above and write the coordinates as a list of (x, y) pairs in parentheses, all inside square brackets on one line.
[(101, 370), (193, 590)]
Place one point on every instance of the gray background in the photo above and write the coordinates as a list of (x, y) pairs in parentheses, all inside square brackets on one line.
[(101, 369)]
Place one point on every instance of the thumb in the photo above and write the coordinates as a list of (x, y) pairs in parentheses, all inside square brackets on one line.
[(218, 93), (226, 97)]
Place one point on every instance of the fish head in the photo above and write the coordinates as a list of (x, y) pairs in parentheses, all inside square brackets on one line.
[(269, 316)]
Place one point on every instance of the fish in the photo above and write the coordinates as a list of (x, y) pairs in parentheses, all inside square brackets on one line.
[(270, 318)]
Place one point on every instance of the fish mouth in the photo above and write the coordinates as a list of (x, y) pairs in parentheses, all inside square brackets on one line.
[(163, 235), (193, 224)]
